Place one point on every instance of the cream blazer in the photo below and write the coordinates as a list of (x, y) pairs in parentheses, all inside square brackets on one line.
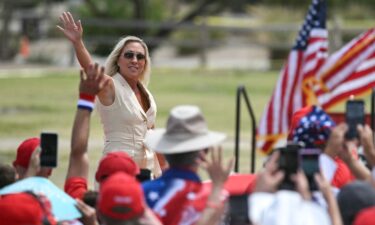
[(125, 125)]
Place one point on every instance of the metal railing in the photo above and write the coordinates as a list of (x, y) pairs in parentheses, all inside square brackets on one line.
[(241, 91)]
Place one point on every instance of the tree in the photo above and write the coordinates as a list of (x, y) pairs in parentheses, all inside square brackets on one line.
[(8, 41), (148, 10)]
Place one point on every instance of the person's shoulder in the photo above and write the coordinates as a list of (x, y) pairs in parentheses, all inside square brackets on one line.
[(116, 78)]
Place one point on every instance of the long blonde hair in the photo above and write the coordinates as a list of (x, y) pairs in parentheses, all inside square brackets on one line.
[(111, 67)]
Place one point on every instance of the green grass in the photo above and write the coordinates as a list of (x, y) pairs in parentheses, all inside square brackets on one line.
[(47, 103), (32, 104)]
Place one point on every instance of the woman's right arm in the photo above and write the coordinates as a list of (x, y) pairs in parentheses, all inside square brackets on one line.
[(73, 31)]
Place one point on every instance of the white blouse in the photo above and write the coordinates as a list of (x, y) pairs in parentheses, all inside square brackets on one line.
[(125, 124)]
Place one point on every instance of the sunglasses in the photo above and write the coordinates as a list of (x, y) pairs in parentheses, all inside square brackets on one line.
[(130, 55)]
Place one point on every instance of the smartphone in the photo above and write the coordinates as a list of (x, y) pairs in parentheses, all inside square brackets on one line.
[(310, 165), (48, 144), (289, 162), (354, 115), (238, 210)]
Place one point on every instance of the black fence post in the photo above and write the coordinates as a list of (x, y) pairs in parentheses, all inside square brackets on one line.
[(237, 134)]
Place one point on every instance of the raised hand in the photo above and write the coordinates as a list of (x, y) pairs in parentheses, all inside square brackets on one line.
[(302, 185), (71, 29), (93, 80), (88, 213), (269, 179), (219, 173), (336, 141), (215, 168), (367, 141), (323, 184)]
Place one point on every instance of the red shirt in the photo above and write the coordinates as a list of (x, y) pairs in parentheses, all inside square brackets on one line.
[(76, 187), (343, 175)]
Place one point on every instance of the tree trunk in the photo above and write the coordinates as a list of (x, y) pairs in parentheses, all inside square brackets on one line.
[(4, 35), (139, 14), (207, 7)]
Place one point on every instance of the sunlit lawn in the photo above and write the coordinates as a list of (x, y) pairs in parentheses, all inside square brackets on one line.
[(47, 101)]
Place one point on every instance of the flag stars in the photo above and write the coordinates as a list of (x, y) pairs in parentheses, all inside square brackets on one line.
[(299, 131), (315, 128), (153, 196)]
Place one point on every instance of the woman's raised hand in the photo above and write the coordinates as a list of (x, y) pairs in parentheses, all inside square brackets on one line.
[(71, 29)]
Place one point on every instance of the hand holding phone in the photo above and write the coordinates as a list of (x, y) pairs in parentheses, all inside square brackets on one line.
[(354, 115), (48, 144), (310, 165), (289, 162)]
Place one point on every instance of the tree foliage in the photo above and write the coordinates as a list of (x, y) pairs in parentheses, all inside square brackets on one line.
[(149, 10), (330, 3)]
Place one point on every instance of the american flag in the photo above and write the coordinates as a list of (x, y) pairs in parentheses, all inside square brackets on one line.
[(311, 77), (349, 71), (305, 59)]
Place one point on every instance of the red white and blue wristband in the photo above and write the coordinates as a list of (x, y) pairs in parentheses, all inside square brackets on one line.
[(86, 101)]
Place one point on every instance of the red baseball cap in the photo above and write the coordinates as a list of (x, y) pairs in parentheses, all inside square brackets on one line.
[(121, 197), (114, 162), (24, 208), (24, 151), (365, 217), (296, 118)]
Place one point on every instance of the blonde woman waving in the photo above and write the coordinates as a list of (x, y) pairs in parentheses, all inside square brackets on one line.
[(126, 108)]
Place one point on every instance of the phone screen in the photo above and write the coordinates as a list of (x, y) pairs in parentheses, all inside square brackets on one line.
[(289, 162), (355, 114), (238, 210), (310, 165), (48, 156)]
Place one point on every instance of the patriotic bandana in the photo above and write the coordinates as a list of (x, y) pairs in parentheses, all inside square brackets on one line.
[(314, 128)]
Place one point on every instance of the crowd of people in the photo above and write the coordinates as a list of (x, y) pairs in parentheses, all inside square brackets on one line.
[(149, 176)]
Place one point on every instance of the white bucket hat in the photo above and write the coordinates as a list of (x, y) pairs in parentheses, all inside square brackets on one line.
[(186, 132)]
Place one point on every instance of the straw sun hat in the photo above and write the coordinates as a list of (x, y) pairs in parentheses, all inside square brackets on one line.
[(186, 132)]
